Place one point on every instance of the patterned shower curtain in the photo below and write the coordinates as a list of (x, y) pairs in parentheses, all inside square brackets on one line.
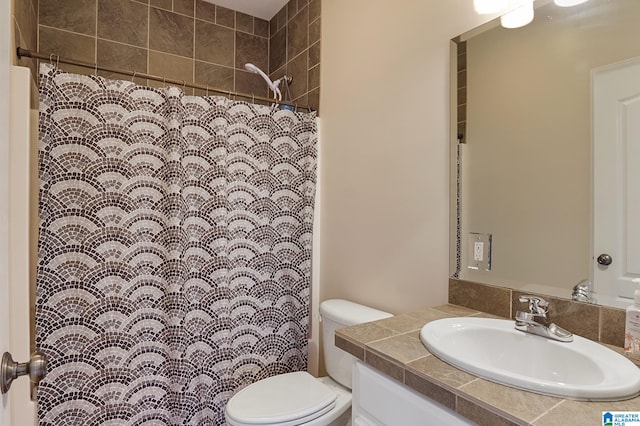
[(174, 251)]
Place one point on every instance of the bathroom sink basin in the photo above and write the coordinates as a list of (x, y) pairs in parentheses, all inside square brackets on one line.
[(494, 350)]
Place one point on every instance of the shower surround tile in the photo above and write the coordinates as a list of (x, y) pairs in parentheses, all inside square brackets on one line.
[(163, 4), (244, 22), (214, 75), (246, 47), (248, 82), (214, 43), (25, 32), (277, 50), (261, 27), (121, 56), (206, 11), (297, 34), (225, 17), (184, 7), (298, 69), (218, 41), (170, 33), (169, 66), (68, 44), (72, 15), (124, 21)]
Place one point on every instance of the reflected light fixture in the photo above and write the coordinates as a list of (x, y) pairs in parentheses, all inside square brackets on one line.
[(569, 3), (518, 17), (484, 7)]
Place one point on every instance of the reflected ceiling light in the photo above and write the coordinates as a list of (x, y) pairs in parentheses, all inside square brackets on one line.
[(518, 17), (489, 6), (569, 3)]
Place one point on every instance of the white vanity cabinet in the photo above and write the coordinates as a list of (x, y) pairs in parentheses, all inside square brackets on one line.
[(379, 400)]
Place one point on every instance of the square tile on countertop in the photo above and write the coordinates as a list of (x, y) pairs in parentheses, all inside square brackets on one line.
[(518, 405), (404, 348), (438, 371), (365, 333)]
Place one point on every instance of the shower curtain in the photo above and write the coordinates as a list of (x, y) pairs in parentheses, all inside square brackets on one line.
[(174, 250)]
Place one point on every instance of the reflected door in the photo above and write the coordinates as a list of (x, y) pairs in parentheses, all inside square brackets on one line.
[(616, 177), (5, 25)]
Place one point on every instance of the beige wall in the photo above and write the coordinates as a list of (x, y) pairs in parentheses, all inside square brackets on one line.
[(385, 149), (527, 161)]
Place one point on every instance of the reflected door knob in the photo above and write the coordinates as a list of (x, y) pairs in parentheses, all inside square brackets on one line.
[(10, 370), (605, 260)]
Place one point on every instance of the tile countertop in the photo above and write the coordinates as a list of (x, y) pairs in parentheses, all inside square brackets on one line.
[(393, 346)]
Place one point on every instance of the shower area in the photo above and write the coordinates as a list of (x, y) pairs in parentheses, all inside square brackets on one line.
[(175, 235)]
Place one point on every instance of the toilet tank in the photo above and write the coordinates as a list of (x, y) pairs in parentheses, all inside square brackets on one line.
[(335, 314)]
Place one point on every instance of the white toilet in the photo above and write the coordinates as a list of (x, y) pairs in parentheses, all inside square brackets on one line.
[(299, 398)]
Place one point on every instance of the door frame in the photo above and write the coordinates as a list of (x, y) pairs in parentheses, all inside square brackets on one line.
[(5, 70), (607, 234)]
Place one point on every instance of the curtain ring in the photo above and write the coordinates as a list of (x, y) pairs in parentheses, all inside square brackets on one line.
[(164, 81), (51, 59), (253, 98), (133, 76), (229, 95), (207, 90), (184, 85)]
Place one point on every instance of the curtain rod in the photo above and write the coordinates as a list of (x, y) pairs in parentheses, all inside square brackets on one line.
[(25, 53)]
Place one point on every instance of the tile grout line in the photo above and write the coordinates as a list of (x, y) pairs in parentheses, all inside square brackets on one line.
[(95, 46), (541, 415), (193, 68), (148, 39)]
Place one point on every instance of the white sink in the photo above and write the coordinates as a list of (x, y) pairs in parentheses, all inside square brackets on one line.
[(494, 350)]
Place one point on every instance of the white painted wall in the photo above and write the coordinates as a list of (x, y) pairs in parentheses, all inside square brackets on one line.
[(385, 110)]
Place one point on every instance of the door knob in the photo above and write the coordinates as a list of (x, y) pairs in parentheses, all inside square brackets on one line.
[(605, 260), (10, 370)]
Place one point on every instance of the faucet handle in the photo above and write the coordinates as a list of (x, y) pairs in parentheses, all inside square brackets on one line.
[(537, 305)]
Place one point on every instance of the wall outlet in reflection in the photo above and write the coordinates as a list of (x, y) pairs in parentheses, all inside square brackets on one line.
[(479, 251)]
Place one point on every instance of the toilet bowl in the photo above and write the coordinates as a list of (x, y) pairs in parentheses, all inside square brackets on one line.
[(299, 398)]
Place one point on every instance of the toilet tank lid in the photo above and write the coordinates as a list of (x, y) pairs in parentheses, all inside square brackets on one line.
[(350, 313)]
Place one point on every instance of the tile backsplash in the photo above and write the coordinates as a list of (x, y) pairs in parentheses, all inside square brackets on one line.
[(600, 323)]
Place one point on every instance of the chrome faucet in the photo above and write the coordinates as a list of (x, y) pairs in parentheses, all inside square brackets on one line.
[(538, 308), (582, 292)]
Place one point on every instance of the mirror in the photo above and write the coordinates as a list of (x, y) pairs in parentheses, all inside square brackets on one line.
[(525, 167)]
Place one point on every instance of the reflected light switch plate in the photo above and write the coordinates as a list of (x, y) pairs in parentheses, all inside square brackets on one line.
[(479, 251)]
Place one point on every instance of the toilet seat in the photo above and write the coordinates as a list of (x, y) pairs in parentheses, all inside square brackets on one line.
[(287, 399)]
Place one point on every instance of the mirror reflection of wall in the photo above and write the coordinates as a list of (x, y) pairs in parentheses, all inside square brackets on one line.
[(526, 164)]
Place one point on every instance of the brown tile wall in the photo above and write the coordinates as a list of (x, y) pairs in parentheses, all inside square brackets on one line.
[(190, 40), (294, 49), (25, 26), (600, 323)]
